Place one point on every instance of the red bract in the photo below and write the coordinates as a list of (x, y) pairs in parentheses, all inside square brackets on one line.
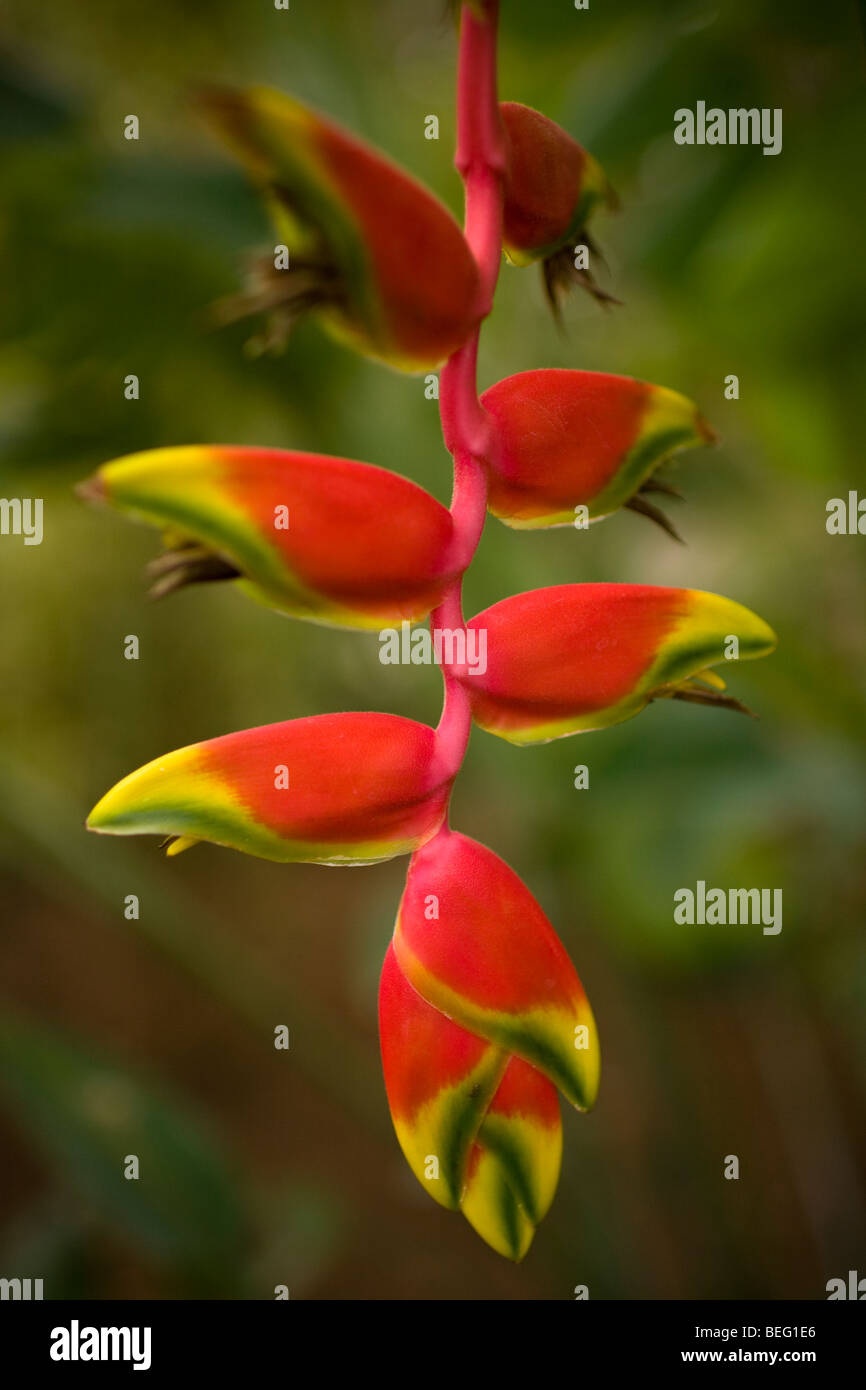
[(577, 657), (330, 789), (323, 538), (473, 942), (377, 256), (482, 1014), (572, 447), (480, 1129), (552, 189)]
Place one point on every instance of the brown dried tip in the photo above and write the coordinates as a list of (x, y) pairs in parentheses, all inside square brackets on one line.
[(706, 431), (659, 485), (561, 276), (640, 505), (227, 108), (189, 564), (90, 489), (712, 697), (282, 296)]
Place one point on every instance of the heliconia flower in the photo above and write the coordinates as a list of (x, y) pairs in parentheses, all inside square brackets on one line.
[(471, 940), (324, 538), (440, 1080), (480, 1129), (481, 1016), (373, 252), (553, 187), (569, 440), (577, 657), (330, 789), (514, 1164)]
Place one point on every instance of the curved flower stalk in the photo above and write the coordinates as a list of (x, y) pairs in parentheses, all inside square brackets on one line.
[(483, 1018)]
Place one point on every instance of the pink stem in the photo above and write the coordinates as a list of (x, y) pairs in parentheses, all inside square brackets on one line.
[(480, 158)]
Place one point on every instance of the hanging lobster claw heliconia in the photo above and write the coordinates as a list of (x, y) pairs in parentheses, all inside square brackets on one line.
[(483, 1018)]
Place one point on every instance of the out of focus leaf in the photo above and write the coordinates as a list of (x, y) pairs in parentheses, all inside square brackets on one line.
[(88, 1114)]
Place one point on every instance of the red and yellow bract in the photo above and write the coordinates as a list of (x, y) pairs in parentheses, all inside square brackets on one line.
[(482, 1014), (330, 539), (566, 439), (329, 789), (396, 279), (577, 657), (473, 942), (552, 187)]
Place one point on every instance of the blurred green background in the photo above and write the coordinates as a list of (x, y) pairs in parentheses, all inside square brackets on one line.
[(155, 1036)]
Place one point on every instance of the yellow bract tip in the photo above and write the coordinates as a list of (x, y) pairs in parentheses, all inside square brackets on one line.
[(180, 844), (709, 677)]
